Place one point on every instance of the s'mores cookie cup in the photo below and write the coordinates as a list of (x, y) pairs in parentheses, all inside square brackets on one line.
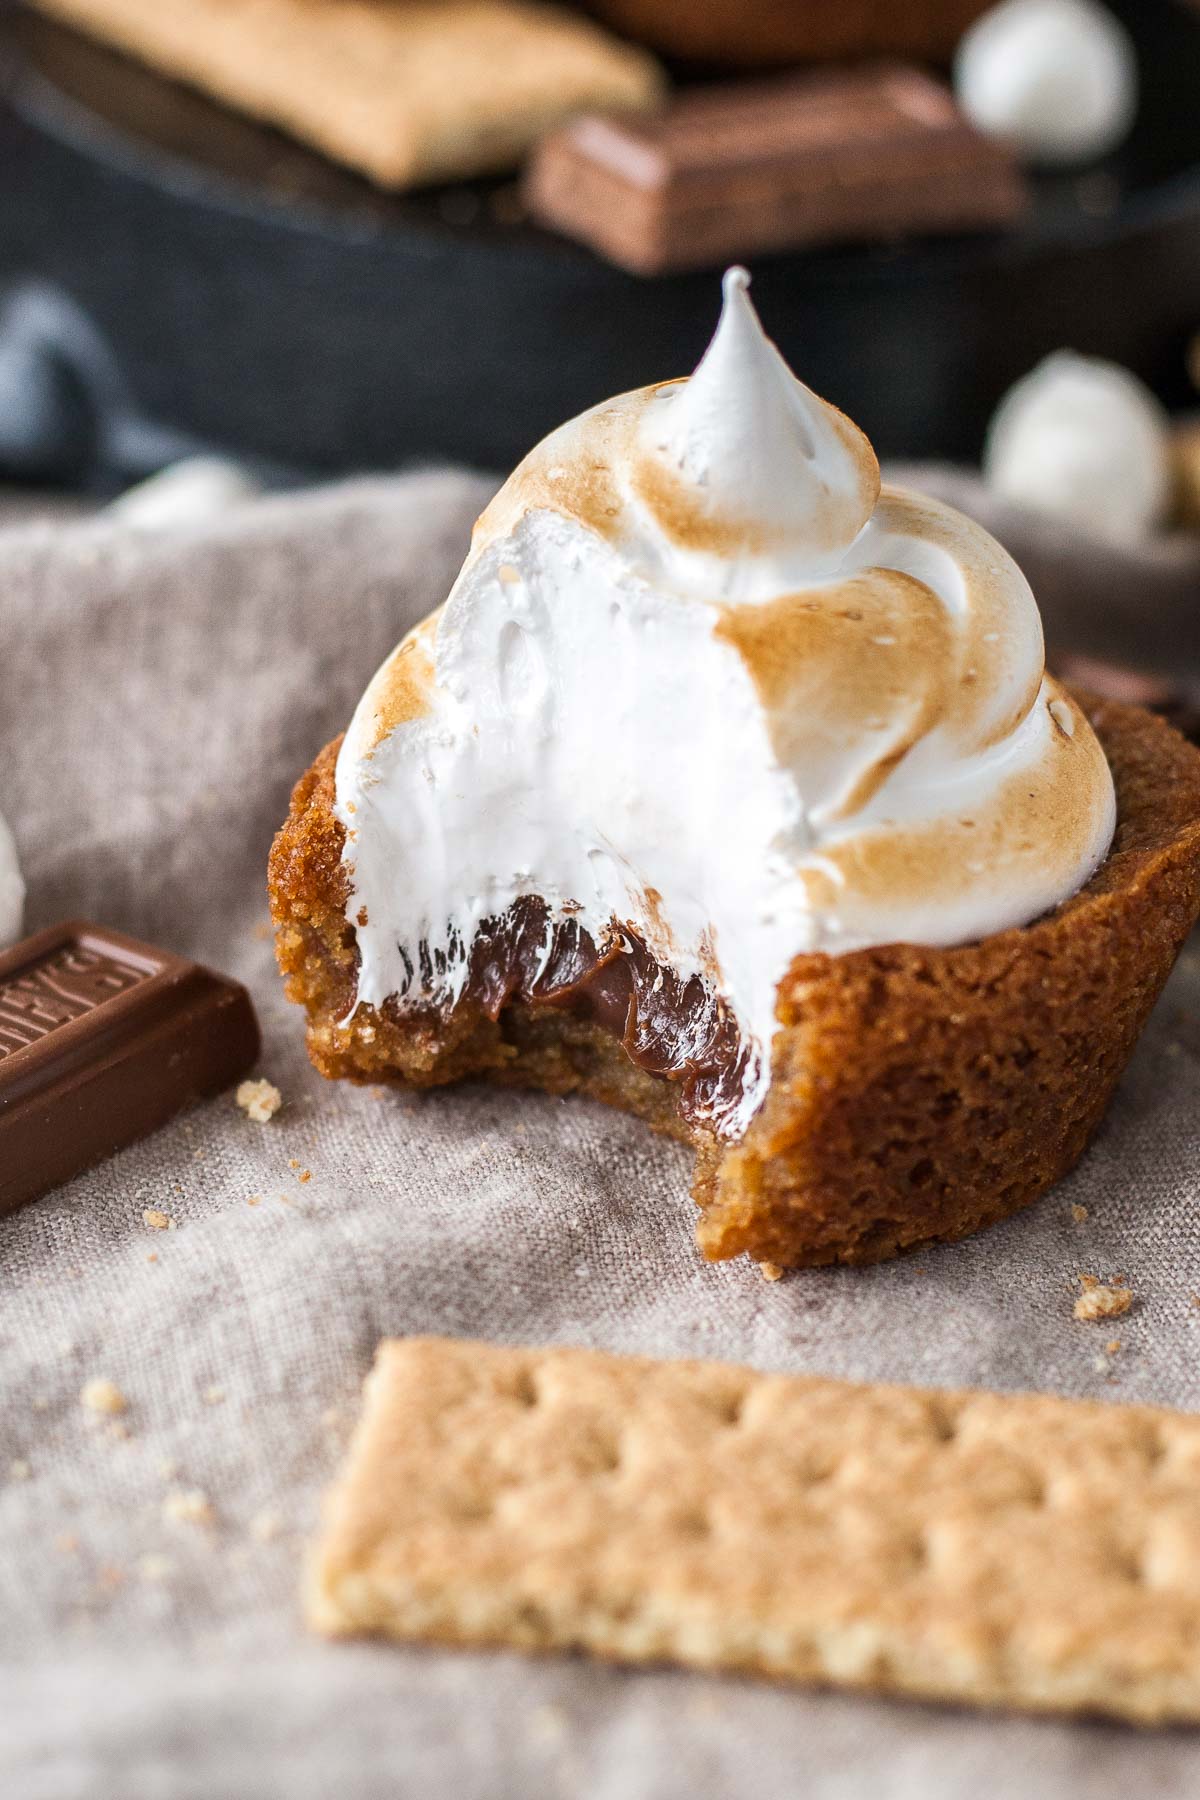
[(729, 787)]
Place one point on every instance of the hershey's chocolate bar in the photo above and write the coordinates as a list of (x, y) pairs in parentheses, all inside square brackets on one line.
[(102, 1040), (871, 153)]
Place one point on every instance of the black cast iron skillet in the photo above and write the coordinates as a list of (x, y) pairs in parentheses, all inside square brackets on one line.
[(249, 294)]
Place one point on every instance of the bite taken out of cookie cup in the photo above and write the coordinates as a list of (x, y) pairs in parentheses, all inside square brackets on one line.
[(916, 1094)]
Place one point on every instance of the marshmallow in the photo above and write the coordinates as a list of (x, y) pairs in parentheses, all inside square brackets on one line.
[(1057, 77), (188, 492), (702, 678), (12, 889), (1083, 441)]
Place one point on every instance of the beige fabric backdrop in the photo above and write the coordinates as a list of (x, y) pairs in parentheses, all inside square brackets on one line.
[(158, 694)]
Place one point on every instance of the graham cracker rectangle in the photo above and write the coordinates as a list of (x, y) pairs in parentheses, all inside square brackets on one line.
[(1018, 1551), (405, 91)]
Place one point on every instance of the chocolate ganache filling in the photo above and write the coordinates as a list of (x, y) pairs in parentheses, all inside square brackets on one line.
[(670, 1027)]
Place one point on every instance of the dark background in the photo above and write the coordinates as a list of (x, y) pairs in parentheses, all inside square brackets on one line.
[(247, 295)]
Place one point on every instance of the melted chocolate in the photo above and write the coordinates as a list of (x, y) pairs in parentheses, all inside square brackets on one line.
[(672, 1028)]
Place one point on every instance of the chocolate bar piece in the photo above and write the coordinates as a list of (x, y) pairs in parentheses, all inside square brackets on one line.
[(102, 1040), (864, 154)]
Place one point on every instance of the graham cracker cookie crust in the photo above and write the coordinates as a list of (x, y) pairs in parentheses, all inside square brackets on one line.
[(1003, 1550), (916, 1094)]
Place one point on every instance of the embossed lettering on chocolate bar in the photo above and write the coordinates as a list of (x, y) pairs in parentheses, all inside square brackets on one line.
[(68, 984)]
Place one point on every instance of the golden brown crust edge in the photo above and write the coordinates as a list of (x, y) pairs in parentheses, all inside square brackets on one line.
[(917, 1094)]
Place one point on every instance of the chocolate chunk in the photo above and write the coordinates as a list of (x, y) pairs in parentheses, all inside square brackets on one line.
[(102, 1040), (862, 154)]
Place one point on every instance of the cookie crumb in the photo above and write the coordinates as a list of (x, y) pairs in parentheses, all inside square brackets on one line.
[(1079, 1214), (303, 1176), (157, 1221), (770, 1271), (214, 1395), (1112, 1346), (189, 1506), (266, 1525), (259, 1100), (1098, 1301), (254, 1199), (103, 1396), (19, 1469)]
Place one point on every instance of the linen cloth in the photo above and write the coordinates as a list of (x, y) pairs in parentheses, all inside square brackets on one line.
[(159, 692)]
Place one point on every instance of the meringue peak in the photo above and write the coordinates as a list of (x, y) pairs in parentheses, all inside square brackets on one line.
[(743, 456)]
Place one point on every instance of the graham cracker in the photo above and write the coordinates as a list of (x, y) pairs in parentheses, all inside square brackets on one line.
[(1004, 1550), (405, 91)]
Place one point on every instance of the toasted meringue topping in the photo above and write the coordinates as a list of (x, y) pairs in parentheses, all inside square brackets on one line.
[(700, 678)]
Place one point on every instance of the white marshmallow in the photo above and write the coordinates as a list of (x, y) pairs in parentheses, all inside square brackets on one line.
[(700, 678), (188, 492), (1059, 78), (1084, 441), (12, 889)]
